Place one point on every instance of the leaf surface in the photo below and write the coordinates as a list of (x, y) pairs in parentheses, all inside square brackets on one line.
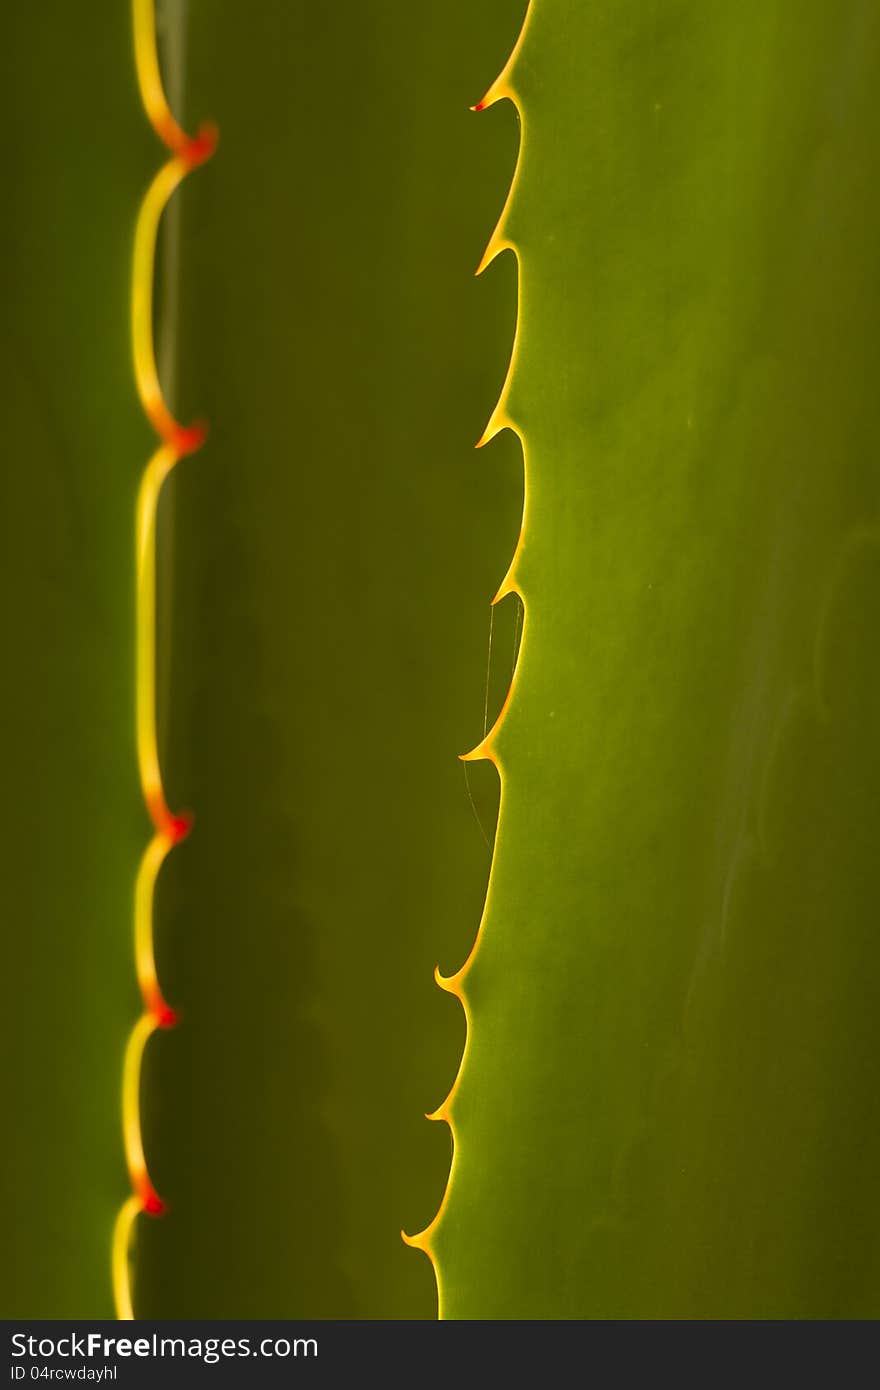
[(666, 1107)]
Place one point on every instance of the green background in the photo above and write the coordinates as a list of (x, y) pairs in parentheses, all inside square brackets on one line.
[(78, 155)]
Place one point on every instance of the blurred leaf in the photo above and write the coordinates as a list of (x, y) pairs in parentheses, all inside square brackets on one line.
[(77, 159)]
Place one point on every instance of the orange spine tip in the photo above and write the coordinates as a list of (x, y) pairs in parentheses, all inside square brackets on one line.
[(152, 1203), (176, 442), (179, 827), (200, 148)]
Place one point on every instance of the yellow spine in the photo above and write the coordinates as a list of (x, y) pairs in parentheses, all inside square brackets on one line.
[(502, 88), (175, 441)]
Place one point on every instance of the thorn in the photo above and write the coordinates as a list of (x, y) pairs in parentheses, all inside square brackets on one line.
[(200, 148), (478, 754), (179, 826), (450, 984), (153, 1204), (186, 439)]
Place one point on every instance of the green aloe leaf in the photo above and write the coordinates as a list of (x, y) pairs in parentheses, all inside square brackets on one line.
[(666, 1107), (78, 157)]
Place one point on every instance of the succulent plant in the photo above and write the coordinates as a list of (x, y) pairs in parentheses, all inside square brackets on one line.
[(660, 1088)]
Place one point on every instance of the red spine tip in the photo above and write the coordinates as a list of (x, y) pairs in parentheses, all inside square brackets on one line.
[(166, 1017), (180, 826), (188, 438), (202, 146), (480, 106), (153, 1204)]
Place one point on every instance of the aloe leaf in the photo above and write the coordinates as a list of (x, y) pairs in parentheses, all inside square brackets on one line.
[(666, 1105), (77, 159)]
